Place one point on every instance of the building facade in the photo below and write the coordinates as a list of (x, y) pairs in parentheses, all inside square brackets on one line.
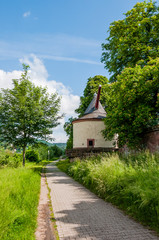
[(87, 130)]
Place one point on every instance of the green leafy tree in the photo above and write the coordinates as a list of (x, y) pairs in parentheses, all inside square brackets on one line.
[(134, 104), (42, 149), (91, 88), (133, 40), (27, 113), (68, 127), (54, 151), (32, 155)]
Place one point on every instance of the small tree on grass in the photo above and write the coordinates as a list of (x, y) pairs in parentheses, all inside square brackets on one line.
[(27, 113)]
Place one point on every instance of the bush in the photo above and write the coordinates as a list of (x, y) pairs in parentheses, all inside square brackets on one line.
[(47, 152), (9, 159), (54, 151), (32, 155)]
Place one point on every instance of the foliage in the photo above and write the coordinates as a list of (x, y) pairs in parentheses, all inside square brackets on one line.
[(9, 159), (19, 197), (91, 88), (47, 151), (27, 113), (60, 145), (128, 181), (54, 151), (134, 104), (133, 40), (63, 165), (68, 127), (42, 150), (32, 155)]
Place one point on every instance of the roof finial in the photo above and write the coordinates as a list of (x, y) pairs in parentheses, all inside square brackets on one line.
[(98, 96)]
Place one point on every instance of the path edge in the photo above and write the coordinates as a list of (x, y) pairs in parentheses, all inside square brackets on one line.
[(46, 223)]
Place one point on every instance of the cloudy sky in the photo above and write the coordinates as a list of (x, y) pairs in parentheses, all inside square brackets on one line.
[(60, 40)]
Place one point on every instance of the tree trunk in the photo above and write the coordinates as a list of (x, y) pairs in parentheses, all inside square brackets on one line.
[(24, 156)]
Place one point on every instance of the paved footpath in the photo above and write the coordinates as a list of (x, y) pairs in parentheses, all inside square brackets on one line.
[(82, 215)]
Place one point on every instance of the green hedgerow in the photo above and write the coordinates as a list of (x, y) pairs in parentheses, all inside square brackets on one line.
[(32, 155)]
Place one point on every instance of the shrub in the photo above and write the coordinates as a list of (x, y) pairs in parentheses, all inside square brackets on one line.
[(9, 158), (32, 155), (54, 151)]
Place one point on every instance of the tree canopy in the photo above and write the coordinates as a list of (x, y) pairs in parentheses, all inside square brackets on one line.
[(133, 40), (134, 104), (69, 132), (91, 88), (27, 113), (131, 55)]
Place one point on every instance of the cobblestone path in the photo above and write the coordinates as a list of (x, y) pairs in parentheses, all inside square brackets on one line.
[(82, 215)]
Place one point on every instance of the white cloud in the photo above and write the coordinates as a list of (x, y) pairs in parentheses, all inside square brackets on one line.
[(57, 47), (6, 78), (26, 14), (59, 133), (39, 76), (69, 59)]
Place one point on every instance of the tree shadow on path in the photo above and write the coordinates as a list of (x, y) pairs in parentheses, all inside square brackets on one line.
[(80, 214)]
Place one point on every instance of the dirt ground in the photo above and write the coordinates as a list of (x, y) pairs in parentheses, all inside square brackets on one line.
[(45, 229)]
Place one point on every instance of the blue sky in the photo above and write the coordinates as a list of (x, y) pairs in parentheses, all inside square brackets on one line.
[(60, 40)]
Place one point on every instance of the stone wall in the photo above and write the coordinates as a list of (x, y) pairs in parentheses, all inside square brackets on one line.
[(151, 139), (85, 152)]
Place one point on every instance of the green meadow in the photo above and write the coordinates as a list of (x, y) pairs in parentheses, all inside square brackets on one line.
[(130, 182), (19, 195), (20, 191)]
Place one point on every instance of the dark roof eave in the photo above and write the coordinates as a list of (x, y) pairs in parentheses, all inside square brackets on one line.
[(87, 119)]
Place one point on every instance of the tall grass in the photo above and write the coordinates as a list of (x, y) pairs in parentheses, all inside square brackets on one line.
[(128, 181), (19, 194)]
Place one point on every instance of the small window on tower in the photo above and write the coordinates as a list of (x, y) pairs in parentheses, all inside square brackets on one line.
[(90, 142)]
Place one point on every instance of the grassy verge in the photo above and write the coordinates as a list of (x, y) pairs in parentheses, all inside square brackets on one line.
[(130, 182), (19, 197)]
